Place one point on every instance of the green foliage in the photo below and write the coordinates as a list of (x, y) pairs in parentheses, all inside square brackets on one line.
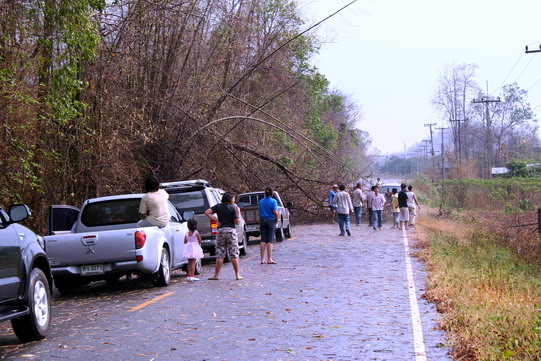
[(512, 195)]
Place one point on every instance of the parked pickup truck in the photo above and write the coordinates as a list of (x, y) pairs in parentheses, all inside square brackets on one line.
[(25, 277), (101, 241), (249, 207)]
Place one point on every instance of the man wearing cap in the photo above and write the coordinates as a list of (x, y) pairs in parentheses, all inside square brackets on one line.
[(332, 207)]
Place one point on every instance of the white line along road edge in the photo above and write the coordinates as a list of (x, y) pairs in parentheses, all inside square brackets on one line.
[(418, 339)]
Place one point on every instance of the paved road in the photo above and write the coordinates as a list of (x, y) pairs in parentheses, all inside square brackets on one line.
[(329, 298)]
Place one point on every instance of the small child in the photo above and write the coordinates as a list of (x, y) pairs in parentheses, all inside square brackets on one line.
[(192, 249), (396, 210)]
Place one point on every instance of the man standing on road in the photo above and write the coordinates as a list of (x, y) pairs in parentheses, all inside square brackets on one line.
[(268, 217), (344, 207), (378, 202), (369, 199), (226, 240), (412, 202), (358, 198), (332, 194), (403, 206)]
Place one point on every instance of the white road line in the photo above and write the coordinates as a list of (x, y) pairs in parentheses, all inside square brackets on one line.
[(418, 339)]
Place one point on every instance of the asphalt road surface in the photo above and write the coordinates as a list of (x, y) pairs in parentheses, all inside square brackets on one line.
[(328, 298)]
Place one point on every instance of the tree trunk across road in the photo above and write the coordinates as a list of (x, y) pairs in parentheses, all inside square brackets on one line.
[(328, 298)]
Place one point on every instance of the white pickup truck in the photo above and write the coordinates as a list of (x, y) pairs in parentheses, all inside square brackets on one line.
[(101, 241), (248, 204)]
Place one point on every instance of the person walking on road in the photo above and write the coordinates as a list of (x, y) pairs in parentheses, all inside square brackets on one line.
[(332, 207), (378, 203), (153, 208), (395, 208), (226, 240), (403, 206), (344, 207), (268, 217), (412, 203), (192, 249), (369, 198), (358, 198)]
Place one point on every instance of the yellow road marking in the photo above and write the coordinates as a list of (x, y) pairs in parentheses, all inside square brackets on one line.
[(249, 258), (136, 308)]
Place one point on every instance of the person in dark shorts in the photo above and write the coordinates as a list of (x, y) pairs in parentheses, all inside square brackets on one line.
[(227, 217), (268, 217)]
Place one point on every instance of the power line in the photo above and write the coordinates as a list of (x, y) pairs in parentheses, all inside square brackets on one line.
[(514, 66), (537, 82), (527, 65)]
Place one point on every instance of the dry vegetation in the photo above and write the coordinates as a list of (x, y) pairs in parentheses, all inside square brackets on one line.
[(95, 95), (486, 281)]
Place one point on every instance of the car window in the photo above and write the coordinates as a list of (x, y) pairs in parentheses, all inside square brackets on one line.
[(3, 218), (189, 201), (105, 213), (173, 212)]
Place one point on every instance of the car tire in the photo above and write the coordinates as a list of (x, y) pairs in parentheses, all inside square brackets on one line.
[(198, 267), (65, 287), (36, 325), (279, 234), (164, 273), (287, 231), (244, 244)]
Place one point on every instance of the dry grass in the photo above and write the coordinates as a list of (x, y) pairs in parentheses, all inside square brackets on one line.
[(490, 298)]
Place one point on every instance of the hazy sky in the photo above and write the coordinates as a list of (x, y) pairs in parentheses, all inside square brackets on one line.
[(387, 56)]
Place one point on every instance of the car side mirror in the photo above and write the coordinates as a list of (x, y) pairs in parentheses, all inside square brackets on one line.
[(289, 205), (187, 215), (18, 212)]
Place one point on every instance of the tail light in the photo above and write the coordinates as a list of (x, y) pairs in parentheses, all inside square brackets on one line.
[(140, 239), (214, 227)]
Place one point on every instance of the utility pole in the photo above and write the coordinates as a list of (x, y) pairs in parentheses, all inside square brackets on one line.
[(432, 144), (442, 153), (459, 138), (486, 100)]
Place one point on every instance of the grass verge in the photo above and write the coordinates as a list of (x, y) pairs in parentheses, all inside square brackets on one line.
[(490, 299)]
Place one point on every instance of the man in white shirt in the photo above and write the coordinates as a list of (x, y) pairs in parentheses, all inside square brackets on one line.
[(412, 202), (358, 198), (153, 208), (344, 207), (378, 202)]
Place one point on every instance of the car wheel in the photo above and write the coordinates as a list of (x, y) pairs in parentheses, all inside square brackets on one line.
[(35, 326), (279, 234), (164, 273), (244, 244), (287, 231), (64, 286), (198, 267)]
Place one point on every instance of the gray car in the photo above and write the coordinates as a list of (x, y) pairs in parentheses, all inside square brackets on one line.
[(197, 195)]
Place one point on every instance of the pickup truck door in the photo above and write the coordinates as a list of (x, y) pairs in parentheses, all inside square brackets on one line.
[(174, 233), (11, 263), (60, 219)]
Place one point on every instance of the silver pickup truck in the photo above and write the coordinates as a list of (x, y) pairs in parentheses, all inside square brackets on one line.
[(101, 241)]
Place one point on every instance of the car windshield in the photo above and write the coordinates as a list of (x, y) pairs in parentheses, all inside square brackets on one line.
[(120, 211), (189, 201)]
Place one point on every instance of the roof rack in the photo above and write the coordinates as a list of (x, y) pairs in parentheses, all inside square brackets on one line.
[(187, 184)]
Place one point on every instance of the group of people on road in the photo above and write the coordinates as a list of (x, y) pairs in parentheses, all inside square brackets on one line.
[(154, 212), (404, 205)]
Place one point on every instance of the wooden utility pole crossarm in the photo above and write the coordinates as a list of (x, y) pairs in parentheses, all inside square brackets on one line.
[(533, 51)]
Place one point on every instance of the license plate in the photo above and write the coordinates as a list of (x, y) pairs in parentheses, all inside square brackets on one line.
[(92, 269), (251, 227)]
